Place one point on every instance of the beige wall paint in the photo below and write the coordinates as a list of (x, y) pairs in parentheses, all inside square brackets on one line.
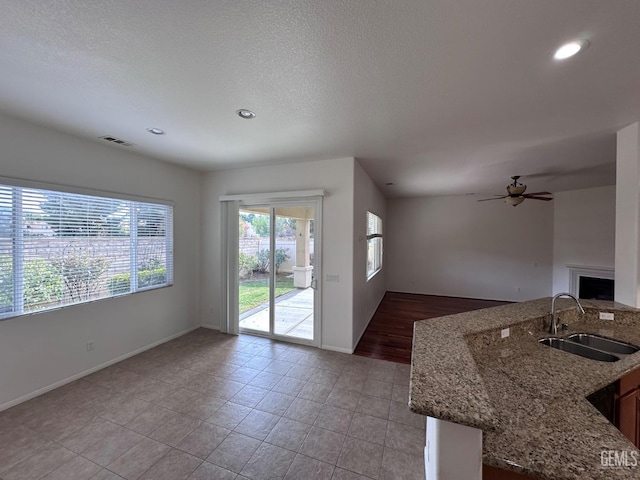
[(42, 349), (367, 294), (455, 246), (334, 176), (584, 230), (627, 254)]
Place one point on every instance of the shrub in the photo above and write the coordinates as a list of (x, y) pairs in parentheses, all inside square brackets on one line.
[(149, 278), (43, 284), (6, 284), (262, 261), (150, 264), (121, 283), (246, 264), (281, 257), (262, 265), (81, 270)]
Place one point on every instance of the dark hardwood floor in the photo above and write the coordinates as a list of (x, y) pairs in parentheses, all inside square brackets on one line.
[(390, 332)]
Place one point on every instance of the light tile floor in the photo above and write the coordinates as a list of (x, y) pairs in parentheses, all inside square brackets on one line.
[(214, 406)]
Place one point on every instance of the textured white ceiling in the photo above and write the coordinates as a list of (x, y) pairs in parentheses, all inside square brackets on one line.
[(436, 96)]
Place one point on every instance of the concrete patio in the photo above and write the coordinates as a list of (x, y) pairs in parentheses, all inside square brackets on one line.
[(293, 315)]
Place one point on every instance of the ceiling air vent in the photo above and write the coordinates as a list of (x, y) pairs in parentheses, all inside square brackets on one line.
[(119, 141)]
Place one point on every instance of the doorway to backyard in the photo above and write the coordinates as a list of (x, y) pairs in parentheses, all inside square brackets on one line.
[(278, 251)]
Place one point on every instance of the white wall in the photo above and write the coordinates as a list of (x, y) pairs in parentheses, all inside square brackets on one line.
[(627, 256), (455, 246), (366, 294), (336, 177), (42, 349), (584, 228)]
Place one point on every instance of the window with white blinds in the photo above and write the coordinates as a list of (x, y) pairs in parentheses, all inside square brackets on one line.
[(59, 248), (374, 244)]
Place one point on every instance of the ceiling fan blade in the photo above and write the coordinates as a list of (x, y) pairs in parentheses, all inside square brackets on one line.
[(538, 193), (497, 198), (546, 199)]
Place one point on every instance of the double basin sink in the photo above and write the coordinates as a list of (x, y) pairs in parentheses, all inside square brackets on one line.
[(594, 347)]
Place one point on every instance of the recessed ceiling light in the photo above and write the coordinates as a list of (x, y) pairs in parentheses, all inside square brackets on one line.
[(570, 49), (246, 114), (155, 131)]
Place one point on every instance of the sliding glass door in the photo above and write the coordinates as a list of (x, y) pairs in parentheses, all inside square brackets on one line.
[(277, 251)]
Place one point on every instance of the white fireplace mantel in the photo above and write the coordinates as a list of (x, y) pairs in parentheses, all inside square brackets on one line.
[(577, 271)]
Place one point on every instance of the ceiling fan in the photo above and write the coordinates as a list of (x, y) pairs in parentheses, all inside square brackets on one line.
[(515, 194)]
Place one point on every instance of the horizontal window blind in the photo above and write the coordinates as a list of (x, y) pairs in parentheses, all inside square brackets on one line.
[(59, 248)]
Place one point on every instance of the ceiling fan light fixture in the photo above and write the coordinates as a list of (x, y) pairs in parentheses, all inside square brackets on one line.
[(516, 189), (515, 194), (514, 201)]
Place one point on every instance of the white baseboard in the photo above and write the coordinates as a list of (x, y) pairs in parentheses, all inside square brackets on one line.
[(337, 349), (210, 327), (53, 386), (355, 344)]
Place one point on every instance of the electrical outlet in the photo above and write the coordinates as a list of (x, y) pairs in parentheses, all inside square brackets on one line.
[(504, 333), (606, 316), (90, 346)]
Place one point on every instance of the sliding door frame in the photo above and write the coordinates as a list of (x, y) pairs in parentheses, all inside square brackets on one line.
[(230, 208)]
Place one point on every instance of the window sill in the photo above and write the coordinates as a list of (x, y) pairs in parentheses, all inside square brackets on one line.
[(373, 274)]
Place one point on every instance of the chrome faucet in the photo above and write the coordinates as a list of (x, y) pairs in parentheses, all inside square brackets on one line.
[(553, 329)]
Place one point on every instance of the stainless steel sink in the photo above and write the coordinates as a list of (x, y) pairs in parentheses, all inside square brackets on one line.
[(579, 349), (602, 343)]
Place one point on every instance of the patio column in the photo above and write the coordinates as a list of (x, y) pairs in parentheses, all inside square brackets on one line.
[(302, 270)]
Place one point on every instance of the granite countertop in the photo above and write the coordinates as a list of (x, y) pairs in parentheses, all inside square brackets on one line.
[(528, 398)]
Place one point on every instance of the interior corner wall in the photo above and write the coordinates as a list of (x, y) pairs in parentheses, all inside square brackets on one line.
[(336, 177), (584, 231), (367, 294), (456, 246), (40, 350)]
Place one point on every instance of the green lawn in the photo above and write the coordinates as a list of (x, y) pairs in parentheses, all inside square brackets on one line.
[(255, 292)]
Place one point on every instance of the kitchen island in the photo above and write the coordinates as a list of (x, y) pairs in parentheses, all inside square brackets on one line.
[(529, 400)]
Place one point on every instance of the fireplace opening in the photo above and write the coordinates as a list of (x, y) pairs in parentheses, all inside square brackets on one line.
[(592, 288)]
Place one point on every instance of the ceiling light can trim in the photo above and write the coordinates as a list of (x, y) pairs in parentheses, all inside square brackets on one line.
[(245, 113), (155, 130), (570, 49)]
